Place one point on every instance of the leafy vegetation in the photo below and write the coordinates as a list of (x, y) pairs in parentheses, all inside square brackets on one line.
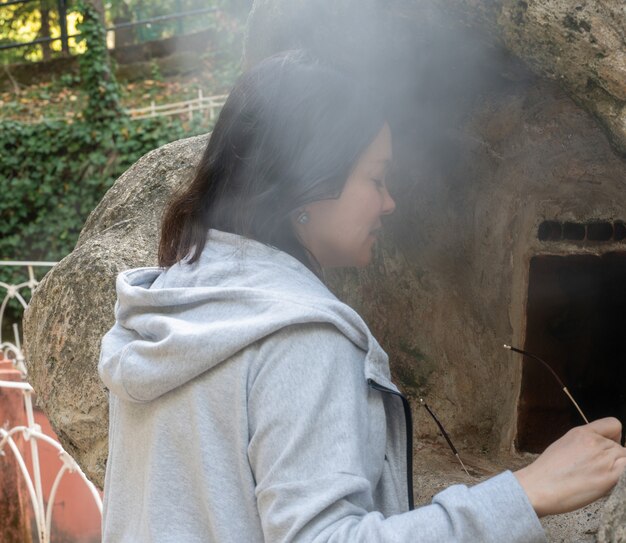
[(52, 174), (25, 22), (63, 99)]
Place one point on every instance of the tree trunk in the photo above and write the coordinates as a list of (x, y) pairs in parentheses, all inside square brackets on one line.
[(44, 30)]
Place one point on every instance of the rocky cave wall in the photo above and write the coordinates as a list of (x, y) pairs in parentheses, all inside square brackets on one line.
[(486, 147)]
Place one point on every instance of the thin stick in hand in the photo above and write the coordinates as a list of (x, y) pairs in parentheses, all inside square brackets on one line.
[(534, 357)]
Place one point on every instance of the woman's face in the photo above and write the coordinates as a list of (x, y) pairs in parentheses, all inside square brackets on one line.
[(342, 231)]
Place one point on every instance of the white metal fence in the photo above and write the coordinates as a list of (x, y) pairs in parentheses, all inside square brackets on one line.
[(207, 106), (31, 432)]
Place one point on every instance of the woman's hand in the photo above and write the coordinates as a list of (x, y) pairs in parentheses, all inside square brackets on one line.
[(575, 470)]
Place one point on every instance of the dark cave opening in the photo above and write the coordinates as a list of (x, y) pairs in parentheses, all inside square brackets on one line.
[(576, 322)]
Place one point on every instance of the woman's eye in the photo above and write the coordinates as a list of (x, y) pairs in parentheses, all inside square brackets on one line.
[(379, 183)]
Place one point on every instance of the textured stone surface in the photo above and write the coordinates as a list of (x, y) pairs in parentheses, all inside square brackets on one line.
[(613, 519), (582, 45), (436, 469)]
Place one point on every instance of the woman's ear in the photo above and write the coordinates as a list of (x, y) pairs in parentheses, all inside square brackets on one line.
[(302, 216)]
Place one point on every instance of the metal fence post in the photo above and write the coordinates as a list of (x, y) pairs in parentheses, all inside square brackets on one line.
[(65, 47)]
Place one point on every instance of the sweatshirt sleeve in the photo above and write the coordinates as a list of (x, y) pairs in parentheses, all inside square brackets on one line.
[(316, 449)]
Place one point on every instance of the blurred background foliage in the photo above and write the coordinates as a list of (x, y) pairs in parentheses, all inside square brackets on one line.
[(32, 19), (65, 132)]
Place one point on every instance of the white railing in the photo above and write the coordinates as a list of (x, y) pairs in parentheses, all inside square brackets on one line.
[(32, 433), (210, 104)]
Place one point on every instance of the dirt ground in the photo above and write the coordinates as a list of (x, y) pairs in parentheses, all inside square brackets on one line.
[(436, 468)]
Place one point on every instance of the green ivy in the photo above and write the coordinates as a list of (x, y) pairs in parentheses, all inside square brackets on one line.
[(52, 174), (98, 81)]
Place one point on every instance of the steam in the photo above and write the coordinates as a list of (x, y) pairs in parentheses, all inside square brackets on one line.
[(429, 68)]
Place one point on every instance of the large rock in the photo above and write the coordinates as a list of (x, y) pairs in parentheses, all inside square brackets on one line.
[(613, 519), (582, 45), (73, 305)]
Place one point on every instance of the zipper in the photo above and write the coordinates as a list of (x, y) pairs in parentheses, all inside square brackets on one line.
[(408, 420)]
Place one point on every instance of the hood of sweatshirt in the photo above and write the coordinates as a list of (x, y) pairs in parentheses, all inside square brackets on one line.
[(174, 324)]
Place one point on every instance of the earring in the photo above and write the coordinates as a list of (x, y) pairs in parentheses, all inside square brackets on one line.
[(303, 217)]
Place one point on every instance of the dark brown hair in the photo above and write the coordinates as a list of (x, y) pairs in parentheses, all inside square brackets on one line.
[(289, 134)]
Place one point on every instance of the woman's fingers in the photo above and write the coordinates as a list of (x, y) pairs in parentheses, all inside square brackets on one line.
[(620, 462), (577, 469), (608, 427)]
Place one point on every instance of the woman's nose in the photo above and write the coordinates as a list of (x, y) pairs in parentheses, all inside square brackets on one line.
[(389, 205)]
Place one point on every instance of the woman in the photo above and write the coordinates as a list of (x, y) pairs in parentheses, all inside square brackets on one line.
[(248, 404)]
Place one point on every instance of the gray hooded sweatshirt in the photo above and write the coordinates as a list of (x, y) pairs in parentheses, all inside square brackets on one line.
[(248, 404)]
